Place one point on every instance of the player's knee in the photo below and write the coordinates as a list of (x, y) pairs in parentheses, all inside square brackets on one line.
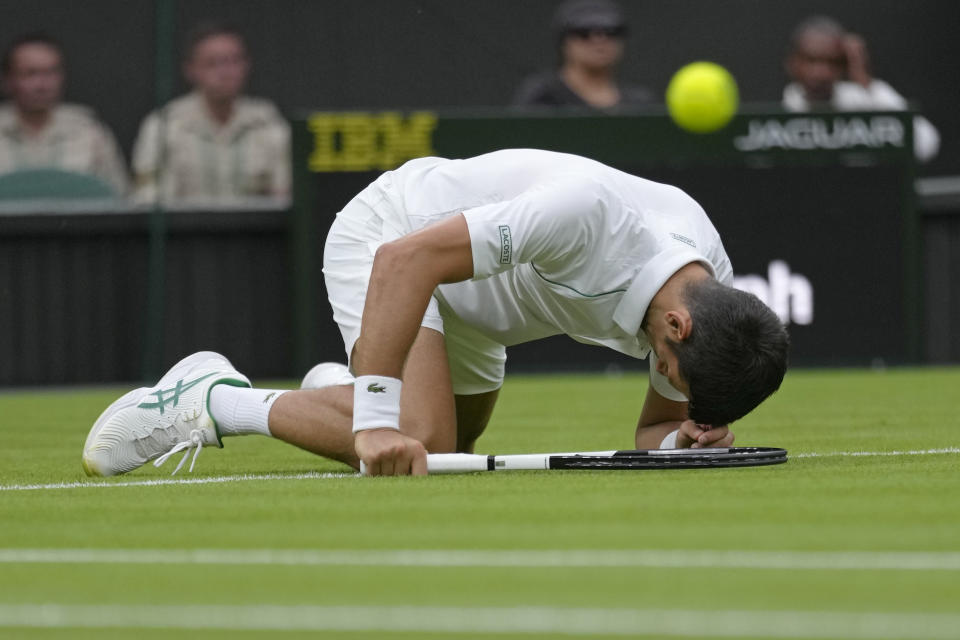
[(473, 415), (467, 434), (465, 444)]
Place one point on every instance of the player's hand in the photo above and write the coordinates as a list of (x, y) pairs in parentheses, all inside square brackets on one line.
[(697, 436), (387, 452), (858, 60)]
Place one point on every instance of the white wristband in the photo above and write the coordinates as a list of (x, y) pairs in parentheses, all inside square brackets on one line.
[(670, 442), (376, 403)]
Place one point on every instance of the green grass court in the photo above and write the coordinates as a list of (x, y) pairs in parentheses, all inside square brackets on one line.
[(825, 546)]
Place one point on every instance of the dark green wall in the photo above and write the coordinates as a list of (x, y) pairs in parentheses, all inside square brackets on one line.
[(433, 53)]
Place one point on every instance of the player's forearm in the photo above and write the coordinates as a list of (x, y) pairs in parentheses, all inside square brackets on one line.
[(405, 274), (399, 292), (650, 436)]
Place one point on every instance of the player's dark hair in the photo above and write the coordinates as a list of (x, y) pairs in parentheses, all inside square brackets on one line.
[(209, 29), (36, 37), (735, 355)]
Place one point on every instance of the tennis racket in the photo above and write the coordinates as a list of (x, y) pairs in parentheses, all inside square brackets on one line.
[(638, 459)]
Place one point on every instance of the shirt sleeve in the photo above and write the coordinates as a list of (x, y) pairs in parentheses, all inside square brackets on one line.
[(538, 91), (883, 96), (542, 225), (529, 93), (926, 138), (145, 156), (281, 178)]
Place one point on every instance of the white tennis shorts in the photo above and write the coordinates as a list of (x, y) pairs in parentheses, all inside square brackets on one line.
[(477, 363)]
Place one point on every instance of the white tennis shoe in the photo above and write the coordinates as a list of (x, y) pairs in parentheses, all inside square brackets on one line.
[(154, 423), (327, 374)]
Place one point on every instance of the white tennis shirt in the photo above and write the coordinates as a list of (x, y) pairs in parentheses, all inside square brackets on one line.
[(561, 244)]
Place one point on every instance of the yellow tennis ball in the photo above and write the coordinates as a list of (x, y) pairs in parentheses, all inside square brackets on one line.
[(702, 97)]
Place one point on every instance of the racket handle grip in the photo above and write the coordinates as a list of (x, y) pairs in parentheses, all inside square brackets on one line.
[(469, 462), (456, 463), (450, 463)]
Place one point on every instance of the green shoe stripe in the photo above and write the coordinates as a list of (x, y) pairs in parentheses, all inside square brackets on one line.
[(163, 399), (233, 382)]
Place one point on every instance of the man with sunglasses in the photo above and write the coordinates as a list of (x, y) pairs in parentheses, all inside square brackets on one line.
[(590, 40)]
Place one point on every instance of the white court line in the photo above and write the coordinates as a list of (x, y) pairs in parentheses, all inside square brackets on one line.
[(919, 452), (313, 475), (93, 484), (512, 558), (570, 621)]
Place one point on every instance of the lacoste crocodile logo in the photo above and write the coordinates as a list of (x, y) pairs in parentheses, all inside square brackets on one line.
[(376, 388)]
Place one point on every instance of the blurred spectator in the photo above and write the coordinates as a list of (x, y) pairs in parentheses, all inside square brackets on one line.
[(37, 131), (218, 146), (590, 39), (830, 69)]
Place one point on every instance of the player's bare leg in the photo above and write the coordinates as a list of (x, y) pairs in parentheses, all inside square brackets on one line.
[(318, 420), (321, 420), (473, 415)]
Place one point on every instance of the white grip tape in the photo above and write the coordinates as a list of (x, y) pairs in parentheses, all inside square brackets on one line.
[(670, 442), (376, 403), (457, 463)]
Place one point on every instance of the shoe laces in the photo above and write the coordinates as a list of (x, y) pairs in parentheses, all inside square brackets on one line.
[(193, 441)]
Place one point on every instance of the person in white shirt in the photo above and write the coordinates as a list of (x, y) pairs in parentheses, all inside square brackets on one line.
[(830, 69), (39, 131), (437, 267), (215, 146)]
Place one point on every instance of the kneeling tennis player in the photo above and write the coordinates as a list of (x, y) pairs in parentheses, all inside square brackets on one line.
[(434, 270)]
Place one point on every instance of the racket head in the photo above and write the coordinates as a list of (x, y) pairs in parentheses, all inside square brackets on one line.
[(641, 459)]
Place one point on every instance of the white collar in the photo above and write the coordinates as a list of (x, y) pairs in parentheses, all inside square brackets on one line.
[(633, 306)]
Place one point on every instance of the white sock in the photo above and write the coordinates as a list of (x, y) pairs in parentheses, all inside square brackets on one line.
[(239, 410)]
